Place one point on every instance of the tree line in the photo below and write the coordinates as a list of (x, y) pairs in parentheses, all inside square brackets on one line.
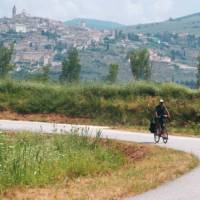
[(139, 63), (139, 60)]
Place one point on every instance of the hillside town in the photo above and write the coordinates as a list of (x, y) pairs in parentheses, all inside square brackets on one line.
[(39, 41)]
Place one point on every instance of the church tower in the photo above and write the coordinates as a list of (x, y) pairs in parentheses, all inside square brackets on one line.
[(14, 12)]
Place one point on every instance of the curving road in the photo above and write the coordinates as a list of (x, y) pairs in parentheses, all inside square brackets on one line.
[(185, 188)]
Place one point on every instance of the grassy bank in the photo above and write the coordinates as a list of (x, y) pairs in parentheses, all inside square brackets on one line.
[(33, 160), (77, 167), (127, 105)]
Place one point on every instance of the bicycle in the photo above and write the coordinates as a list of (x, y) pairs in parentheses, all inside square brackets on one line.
[(161, 133)]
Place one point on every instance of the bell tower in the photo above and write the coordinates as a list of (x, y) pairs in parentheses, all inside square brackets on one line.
[(14, 12)]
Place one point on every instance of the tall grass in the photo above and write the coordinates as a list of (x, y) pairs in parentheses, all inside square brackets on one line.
[(112, 104), (33, 160)]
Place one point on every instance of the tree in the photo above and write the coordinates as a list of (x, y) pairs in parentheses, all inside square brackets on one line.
[(46, 70), (113, 73), (140, 64), (198, 71), (5, 58), (71, 67)]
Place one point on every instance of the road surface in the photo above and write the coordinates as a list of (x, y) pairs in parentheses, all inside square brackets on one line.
[(186, 187)]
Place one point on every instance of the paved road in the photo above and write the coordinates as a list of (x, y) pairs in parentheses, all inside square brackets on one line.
[(185, 188)]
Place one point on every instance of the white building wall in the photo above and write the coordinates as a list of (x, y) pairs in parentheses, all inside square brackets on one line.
[(20, 28)]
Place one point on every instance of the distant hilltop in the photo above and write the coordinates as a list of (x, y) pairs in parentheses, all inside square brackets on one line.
[(189, 24), (78, 22), (23, 22), (22, 14), (41, 41), (94, 24)]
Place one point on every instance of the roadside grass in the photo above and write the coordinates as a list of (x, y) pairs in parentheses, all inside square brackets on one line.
[(128, 179), (39, 160), (191, 130), (161, 166), (113, 105)]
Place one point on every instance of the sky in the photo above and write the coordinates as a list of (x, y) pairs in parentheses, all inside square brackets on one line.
[(127, 12)]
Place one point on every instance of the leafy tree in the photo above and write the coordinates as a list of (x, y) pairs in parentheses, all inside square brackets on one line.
[(5, 58), (113, 73), (71, 67), (198, 73), (46, 70), (140, 64)]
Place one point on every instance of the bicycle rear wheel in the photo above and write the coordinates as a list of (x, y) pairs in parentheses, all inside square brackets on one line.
[(165, 137)]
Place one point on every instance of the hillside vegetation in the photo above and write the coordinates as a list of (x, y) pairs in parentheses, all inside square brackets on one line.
[(130, 104), (190, 24)]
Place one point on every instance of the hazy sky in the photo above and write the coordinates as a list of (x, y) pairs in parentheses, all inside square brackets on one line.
[(123, 11)]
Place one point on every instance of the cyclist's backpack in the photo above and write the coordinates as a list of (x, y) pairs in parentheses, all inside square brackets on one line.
[(152, 127)]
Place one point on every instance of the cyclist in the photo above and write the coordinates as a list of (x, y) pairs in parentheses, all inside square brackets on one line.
[(161, 113)]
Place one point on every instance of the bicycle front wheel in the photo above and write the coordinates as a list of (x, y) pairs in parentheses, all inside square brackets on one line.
[(157, 136)]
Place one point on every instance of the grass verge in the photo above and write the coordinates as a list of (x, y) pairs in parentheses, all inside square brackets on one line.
[(78, 167), (28, 159), (126, 105)]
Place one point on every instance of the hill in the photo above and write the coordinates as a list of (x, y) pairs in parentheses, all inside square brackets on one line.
[(190, 24), (95, 24)]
